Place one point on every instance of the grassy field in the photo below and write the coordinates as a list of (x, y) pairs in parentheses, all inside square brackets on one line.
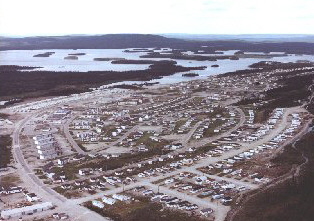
[(5, 150), (4, 116), (9, 180)]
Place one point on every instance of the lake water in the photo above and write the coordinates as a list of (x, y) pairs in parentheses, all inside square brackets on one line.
[(56, 62)]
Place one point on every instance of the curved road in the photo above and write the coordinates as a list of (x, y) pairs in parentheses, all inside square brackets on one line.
[(70, 138)]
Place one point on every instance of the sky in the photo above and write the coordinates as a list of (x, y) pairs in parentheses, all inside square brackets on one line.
[(64, 17)]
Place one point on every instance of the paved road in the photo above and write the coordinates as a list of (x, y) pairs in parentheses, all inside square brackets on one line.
[(70, 138), (188, 136)]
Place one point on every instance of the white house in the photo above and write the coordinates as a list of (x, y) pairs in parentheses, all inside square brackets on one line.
[(32, 197), (108, 200), (121, 197), (98, 204)]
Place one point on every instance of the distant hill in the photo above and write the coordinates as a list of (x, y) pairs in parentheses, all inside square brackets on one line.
[(245, 37), (206, 44), (110, 41)]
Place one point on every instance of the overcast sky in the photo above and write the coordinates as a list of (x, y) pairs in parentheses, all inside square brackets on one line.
[(60, 17)]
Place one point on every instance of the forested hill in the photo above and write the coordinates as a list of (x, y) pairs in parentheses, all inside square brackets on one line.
[(121, 41)]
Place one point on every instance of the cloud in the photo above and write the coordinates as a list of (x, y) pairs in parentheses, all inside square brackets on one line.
[(57, 17)]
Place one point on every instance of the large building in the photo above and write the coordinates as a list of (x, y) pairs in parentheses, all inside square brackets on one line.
[(26, 210)]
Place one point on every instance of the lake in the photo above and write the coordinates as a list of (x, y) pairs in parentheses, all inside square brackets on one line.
[(56, 62)]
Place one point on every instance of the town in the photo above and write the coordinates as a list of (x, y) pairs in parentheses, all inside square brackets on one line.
[(192, 149)]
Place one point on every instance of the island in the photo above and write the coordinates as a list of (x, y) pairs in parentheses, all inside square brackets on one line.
[(126, 61), (44, 55), (107, 59), (78, 54), (190, 75), (71, 57), (181, 56), (137, 50)]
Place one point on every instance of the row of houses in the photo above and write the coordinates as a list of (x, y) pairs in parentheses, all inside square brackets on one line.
[(47, 147), (81, 125), (110, 200), (10, 190), (88, 136)]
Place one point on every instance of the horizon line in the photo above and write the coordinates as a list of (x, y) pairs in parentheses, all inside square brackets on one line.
[(61, 35)]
